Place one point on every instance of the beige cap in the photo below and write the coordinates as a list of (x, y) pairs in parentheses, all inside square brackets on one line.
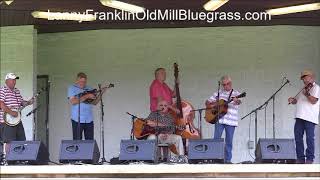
[(306, 72)]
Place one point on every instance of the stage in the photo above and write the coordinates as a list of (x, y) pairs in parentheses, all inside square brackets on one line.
[(164, 171)]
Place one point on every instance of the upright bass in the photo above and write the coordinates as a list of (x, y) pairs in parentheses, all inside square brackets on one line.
[(185, 116)]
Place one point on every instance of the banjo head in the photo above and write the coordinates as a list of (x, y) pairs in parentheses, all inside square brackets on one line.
[(10, 120)]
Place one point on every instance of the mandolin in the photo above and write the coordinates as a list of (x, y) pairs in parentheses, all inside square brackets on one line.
[(213, 113)]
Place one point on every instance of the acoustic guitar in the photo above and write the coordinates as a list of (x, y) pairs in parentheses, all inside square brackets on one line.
[(141, 130), (220, 109)]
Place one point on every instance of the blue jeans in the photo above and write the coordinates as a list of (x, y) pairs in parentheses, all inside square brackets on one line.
[(300, 127), (229, 130)]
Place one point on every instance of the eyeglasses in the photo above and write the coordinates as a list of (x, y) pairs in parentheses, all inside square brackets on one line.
[(226, 84), (163, 105)]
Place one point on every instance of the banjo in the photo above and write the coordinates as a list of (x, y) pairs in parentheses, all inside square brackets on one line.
[(13, 121)]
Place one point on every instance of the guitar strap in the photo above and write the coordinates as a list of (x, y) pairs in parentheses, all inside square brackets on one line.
[(230, 94)]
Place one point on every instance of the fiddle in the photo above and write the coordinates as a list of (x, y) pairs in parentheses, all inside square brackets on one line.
[(306, 90), (308, 87), (95, 92)]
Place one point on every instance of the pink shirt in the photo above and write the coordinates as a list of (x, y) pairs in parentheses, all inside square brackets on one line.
[(158, 89)]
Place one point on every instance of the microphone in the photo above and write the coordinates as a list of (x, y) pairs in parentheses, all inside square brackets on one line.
[(287, 80), (29, 113), (33, 111), (131, 115)]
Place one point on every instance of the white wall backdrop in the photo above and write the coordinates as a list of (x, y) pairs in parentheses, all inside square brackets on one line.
[(257, 58)]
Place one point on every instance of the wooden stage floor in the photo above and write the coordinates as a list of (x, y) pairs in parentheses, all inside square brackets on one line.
[(163, 171)]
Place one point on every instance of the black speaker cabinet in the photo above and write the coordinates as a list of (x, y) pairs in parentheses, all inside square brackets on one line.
[(276, 151), (138, 150), (84, 151), (206, 149), (28, 152)]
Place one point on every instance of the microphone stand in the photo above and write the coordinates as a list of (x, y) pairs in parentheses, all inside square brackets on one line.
[(34, 121), (255, 111), (79, 104), (200, 124), (103, 159), (157, 131), (273, 113), (78, 129), (200, 118), (79, 96), (133, 117), (219, 84), (273, 107)]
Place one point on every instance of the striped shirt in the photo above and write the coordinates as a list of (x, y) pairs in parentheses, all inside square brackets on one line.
[(11, 98), (231, 118)]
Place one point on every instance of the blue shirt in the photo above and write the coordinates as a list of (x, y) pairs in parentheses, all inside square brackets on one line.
[(86, 115)]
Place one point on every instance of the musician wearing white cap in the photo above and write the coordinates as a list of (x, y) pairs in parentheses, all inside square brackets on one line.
[(10, 99), (307, 117)]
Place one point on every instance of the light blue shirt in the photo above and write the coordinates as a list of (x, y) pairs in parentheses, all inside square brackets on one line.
[(86, 115)]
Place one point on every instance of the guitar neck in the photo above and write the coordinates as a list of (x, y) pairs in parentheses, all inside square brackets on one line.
[(239, 96)]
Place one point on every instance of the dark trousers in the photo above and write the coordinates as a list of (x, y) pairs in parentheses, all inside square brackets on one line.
[(1, 133), (12, 133), (300, 127), (86, 128)]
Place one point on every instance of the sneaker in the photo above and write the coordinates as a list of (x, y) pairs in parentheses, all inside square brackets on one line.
[(182, 159), (173, 159)]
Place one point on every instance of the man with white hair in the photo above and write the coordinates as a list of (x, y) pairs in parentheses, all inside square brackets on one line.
[(307, 116), (163, 118), (10, 98), (229, 121)]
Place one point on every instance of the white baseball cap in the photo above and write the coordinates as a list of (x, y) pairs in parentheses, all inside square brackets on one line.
[(11, 76)]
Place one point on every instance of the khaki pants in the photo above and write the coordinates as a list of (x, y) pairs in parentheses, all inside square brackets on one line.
[(171, 139)]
